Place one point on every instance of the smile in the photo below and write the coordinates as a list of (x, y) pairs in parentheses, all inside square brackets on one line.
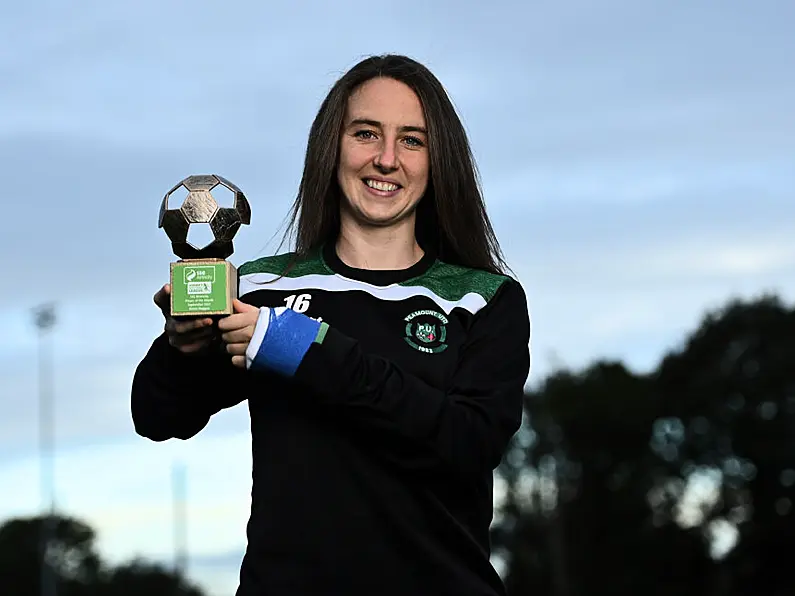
[(382, 186)]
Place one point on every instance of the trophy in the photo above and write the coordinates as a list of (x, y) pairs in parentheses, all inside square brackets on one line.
[(203, 282)]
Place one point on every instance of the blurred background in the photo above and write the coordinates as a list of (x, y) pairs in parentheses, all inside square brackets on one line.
[(638, 161)]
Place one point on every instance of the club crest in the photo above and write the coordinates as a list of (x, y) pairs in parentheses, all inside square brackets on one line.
[(426, 331)]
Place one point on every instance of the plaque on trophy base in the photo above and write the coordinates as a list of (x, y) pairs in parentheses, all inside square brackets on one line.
[(203, 282), (203, 287)]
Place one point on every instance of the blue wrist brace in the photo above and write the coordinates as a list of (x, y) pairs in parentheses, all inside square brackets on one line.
[(281, 339)]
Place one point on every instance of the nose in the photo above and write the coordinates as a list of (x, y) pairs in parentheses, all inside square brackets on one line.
[(386, 158)]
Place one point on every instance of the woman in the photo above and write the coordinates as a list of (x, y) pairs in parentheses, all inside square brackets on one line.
[(383, 360)]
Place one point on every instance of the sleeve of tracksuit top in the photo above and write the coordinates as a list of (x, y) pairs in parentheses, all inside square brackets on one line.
[(462, 430), (174, 395)]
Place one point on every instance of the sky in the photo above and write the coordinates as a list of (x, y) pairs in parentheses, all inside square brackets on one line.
[(637, 158)]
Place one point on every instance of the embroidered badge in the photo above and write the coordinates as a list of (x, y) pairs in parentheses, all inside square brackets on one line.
[(426, 331)]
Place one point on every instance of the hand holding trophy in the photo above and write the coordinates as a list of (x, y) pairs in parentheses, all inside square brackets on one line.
[(203, 283)]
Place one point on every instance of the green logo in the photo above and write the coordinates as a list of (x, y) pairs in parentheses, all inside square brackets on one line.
[(426, 331), (199, 273)]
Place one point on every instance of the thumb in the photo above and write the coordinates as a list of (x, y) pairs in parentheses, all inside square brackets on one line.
[(241, 306)]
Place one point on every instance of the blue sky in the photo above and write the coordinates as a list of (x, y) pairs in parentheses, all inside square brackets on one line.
[(637, 158)]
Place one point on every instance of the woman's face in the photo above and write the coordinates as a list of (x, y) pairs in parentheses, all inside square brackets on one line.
[(384, 164)]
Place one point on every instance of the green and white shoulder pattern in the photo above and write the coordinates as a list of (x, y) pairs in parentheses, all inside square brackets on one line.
[(449, 286)]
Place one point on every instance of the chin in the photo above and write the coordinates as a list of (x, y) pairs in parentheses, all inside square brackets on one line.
[(379, 219), (378, 215)]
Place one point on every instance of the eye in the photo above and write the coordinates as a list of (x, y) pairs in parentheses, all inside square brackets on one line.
[(414, 141), (364, 134)]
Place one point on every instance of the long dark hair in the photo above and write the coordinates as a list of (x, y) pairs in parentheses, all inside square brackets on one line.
[(451, 217)]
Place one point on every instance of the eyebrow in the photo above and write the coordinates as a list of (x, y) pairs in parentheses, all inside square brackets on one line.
[(376, 124)]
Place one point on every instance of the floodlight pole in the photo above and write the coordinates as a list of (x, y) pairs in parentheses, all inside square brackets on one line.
[(44, 317), (179, 481)]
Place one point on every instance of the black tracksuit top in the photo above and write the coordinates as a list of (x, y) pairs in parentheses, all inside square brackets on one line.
[(373, 465)]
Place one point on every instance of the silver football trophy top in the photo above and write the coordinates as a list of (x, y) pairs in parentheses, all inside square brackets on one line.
[(205, 200)]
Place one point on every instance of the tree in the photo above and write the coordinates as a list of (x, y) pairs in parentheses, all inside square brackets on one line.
[(140, 577), (70, 553), (623, 483), (731, 390), (77, 566)]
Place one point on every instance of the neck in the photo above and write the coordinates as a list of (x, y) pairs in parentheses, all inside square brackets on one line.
[(386, 248)]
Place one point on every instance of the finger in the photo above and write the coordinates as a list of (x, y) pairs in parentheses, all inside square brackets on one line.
[(186, 326), (241, 307), (203, 336), (239, 361), (181, 327), (236, 321), (237, 349), (192, 347), (192, 344), (190, 335), (161, 296), (238, 336)]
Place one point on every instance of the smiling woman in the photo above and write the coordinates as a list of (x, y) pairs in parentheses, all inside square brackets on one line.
[(384, 163), (383, 359)]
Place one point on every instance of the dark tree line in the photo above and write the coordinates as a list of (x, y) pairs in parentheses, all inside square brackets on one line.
[(76, 565), (681, 481)]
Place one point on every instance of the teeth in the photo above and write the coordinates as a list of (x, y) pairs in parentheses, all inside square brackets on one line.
[(385, 186)]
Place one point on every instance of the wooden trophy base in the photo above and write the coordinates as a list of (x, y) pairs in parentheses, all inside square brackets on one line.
[(203, 287)]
